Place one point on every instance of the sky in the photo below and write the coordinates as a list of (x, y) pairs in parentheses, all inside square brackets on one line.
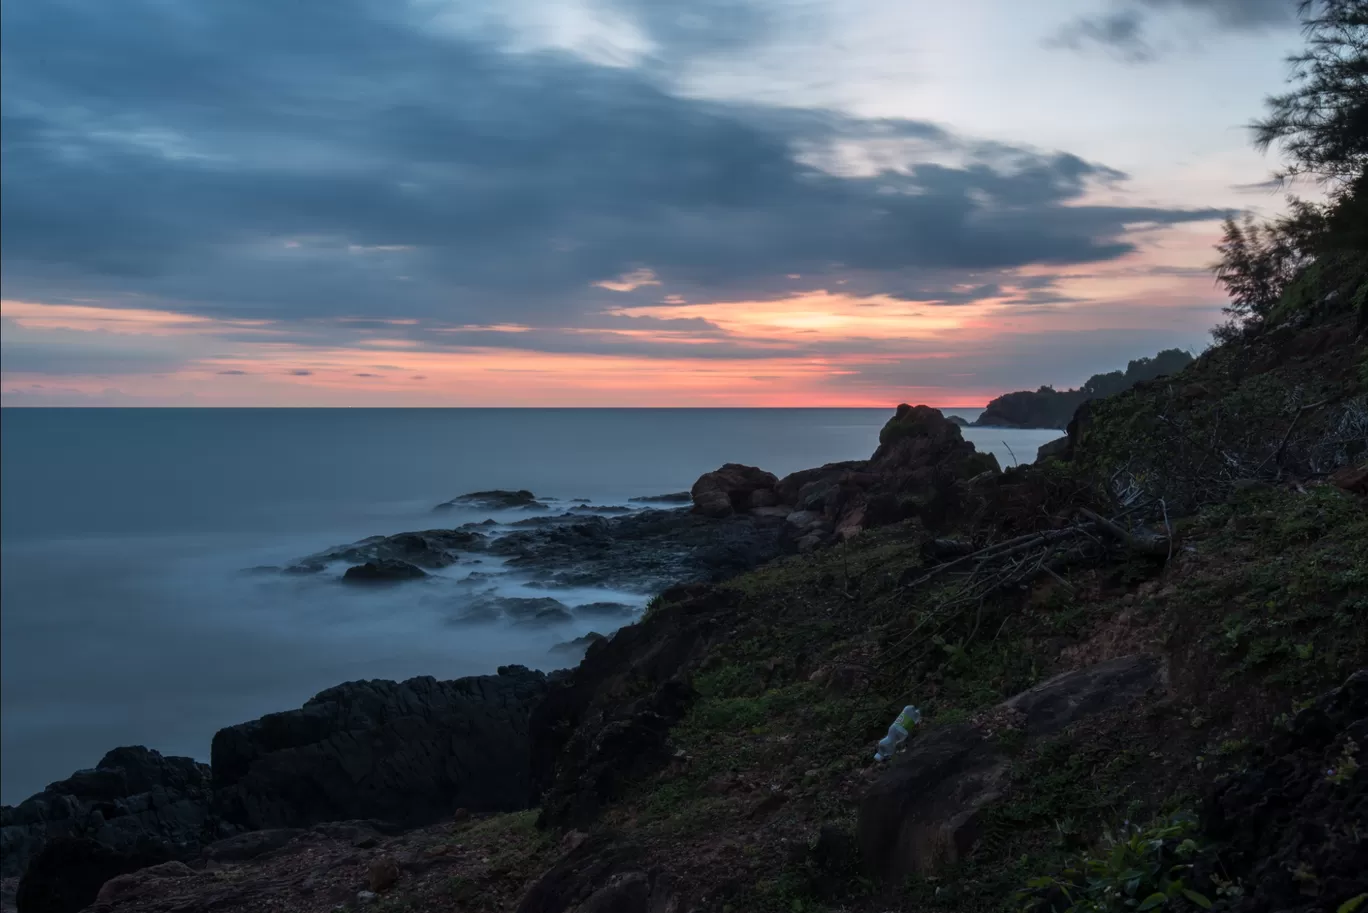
[(615, 202)]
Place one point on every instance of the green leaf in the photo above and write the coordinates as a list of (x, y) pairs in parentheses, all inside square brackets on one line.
[(1352, 904), (1157, 899), (1199, 899)]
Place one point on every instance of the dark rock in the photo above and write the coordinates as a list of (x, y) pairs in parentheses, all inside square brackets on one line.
[(605, 610), (957, 420), (409, 752), (677, 497), (579, 645), (497, 499), (588, 742), (521, 610), (643, 552), (602, 875), (926, 811), (1299, 806), (1058, 449), (386, 570), (1353, 479), (432, 548), (729, 490), (133, 799), (67, 873)]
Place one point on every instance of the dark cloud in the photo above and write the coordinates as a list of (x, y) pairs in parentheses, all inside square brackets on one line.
[(365, 374), (233, 373), (299, 372), (1123, 31), (343, 159)]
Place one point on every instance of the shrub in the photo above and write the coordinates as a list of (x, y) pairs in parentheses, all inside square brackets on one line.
[(1141, 868)]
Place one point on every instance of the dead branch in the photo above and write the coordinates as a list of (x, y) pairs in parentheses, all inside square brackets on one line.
[(1148, 544)]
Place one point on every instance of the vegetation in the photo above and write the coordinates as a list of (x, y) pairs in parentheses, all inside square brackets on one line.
[(1051, 408), (1315, 258)]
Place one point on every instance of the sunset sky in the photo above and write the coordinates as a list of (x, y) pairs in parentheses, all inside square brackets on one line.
[(616, 202)]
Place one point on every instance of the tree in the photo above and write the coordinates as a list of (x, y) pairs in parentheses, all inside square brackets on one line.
[(1322, 124)]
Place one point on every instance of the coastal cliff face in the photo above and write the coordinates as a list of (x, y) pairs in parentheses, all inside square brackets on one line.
[(1127, 645)]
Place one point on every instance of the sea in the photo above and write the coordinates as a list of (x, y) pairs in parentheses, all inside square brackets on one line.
[(127, 615)]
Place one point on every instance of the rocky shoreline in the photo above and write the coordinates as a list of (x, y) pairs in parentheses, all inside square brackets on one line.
[(410, 753)]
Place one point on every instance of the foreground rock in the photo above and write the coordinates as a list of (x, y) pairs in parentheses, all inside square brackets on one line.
[(409, 752), (925, 812), (67, 874), (134, 801)]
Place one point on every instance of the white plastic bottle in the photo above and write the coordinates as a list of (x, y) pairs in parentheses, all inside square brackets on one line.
[(897, 733)]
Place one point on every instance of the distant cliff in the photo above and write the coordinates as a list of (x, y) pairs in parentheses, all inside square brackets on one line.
[(1051, 408)]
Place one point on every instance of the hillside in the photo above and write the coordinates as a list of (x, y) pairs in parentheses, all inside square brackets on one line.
[(1051, 408)]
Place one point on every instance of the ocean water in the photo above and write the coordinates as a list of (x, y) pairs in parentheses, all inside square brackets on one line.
[(125, 613)]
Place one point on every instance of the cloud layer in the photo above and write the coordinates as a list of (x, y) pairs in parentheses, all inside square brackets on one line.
[(350, 158)]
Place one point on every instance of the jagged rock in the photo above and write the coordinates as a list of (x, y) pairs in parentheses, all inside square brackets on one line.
[(385, 570), (729, 490), (134, 798), (588, 742), (925, 811), (67, 873), (496, 499), (409, 752)]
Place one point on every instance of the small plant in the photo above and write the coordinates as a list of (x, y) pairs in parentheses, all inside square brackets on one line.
[(1137, 868), (1346, 766)]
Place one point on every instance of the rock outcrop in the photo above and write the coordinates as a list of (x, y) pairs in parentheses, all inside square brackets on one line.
[(588, 743), (67, 873), (410, 752), (925, 811), (917, 471), (134, 800), (733, 488)]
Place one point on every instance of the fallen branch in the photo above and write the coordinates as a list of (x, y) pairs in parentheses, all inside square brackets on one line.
[(1148, 544), (1276, 456)]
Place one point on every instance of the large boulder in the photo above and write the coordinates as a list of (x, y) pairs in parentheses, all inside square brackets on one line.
[(67, 873), (925, 811), (134, 798), (496, 499), (409, 752), (731, 489), (1058, 449)]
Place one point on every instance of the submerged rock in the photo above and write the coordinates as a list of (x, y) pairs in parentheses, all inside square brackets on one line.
[(676, 497), (431, 548), (496, 499), (385, 570), (408, 752)]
